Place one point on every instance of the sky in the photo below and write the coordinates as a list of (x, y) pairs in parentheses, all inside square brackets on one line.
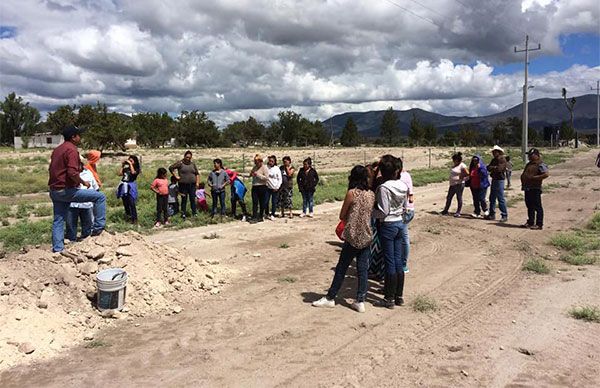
[(236, 58)]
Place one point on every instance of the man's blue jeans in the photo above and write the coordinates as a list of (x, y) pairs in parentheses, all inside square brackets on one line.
[(74, 214), (362, 267), (308, 201), (497, 193), (395, 245), (61, 200)]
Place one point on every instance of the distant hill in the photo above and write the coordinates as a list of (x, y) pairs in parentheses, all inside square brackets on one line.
[(542, 112)]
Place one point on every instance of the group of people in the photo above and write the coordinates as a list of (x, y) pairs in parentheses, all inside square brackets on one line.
[(477, 178), (271, 189)]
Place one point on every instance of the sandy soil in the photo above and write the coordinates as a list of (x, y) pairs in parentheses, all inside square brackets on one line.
[(262, 331)]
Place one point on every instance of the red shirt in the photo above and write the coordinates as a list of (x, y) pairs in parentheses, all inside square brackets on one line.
[(161, 185), (475, 178), (65, 167)]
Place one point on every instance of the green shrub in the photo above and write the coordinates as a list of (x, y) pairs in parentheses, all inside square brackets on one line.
[(586, 313), (537, 266)]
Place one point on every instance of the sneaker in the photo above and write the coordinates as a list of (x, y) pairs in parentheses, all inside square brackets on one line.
[(324, 302), (504, 219), (359, 306), (489, 218), (399, 301), (476, 215), (457, 215), (526, 225), (302, 215), (444, 213), (486, 213), (167, 223), (405, 269), (388, 304), (157, 225), (97, 232), (536, 227), (311, 215), (183, 217), (244, 219), (272, 217)]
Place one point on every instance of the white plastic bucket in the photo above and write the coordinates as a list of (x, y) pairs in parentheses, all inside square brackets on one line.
[(112, 287)]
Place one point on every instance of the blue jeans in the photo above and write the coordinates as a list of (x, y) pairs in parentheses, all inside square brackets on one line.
[(74, 214), (497, 193), (61, 200), (362, 266), (274, 199), (308, 201), (216, 197), (395, 245)]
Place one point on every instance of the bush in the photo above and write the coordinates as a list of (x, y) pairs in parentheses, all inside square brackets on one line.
[(26, 233), (423, 304), (537, 266), (586, 313)]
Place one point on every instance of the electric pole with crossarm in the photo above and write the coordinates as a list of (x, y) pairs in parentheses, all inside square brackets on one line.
[(525, 89), (597, 89)]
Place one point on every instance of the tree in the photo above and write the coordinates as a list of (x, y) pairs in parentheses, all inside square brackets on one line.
[(500, 133), (390, 127), (289, 122), (350, 136), (416, 132), (515, 130), (273, 133), (194, 128), (18, 118), (468, 135), (108, 130), (429, 133), (60, 118), (566, 131), (153, 129), (450, 137)]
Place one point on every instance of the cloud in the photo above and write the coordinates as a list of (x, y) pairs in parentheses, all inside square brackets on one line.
[(239, 57)]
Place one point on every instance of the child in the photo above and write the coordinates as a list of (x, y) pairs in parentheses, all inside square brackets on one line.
[(509, 168), (82, 210), (238, 191), (307, 183), (173, 199), (201, 195), (160, 186), (217, 180)]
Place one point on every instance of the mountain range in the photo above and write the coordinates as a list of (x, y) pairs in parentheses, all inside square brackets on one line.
[(543, 112)]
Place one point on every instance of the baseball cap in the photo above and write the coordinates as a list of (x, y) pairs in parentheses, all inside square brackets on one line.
[(71, 130), (533, 151)]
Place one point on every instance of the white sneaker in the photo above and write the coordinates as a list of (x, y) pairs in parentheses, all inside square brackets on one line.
[(243, 218), (272, 218), (302, 215), (311, 215), (324, 302), (476, 215), (486, 213), (359, 306)]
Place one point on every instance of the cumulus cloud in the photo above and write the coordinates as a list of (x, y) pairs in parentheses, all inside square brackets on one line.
[(234, 58)]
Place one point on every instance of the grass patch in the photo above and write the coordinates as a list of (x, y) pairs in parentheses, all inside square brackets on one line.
[(424, 304), (212, 236), (284, 246), (514, 200), (580, 241), (96, 344), (586, 313), (594, 223), (25, 233), (433, 230), (575, 259), (287, 279), (42, 211), (537, 266)]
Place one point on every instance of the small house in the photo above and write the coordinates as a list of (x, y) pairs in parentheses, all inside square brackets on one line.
[(39, 140)]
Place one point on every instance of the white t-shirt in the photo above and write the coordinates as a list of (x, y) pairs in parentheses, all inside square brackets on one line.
[(86, 175), (274, 181), (455, 178), (406, 178)]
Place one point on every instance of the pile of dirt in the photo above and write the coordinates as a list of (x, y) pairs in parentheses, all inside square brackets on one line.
[(48, 299)]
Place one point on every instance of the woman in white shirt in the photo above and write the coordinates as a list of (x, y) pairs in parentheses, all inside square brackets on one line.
[(274, 184), (458, 174)]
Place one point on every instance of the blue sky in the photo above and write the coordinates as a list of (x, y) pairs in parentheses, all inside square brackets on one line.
[(580, 49)]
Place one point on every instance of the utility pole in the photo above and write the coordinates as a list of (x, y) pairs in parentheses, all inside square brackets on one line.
[(597, 89), (331, 143), (525, 89)]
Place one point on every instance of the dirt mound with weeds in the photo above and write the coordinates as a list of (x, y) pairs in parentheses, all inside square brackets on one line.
[(48, 299)]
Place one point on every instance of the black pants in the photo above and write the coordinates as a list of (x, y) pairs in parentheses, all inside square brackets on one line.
[(260, 197), (535, 212), (479, 201), (188, 190), (130, 209), (235, 199), (162, 204), (452, 191)]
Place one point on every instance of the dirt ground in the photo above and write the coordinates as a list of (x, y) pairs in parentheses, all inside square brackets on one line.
[(262, 331)]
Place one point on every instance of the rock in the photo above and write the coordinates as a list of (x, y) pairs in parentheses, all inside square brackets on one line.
[(26, 285), (42, 304), (464, 372), (125, 310), (215, 291), (501, 347), (526, 352), (177, 285), (177, 309), (105, 260), (513, 321), (257, 255), (108, 313), (88, 336), (26, 347), (5, 291), (88, 268), (453, 348), (121, 251), (209, 276), (95, 253)]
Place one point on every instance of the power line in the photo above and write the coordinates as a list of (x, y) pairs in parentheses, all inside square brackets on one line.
[(413, 13)]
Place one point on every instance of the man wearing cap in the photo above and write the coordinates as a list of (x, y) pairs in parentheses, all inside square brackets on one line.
[(497, 170), (531, 180), (63, 183)]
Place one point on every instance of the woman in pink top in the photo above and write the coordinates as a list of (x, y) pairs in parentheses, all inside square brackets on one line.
[(160, 186)]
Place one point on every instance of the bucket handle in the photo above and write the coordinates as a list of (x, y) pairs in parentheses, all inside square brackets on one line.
[(121, 274)]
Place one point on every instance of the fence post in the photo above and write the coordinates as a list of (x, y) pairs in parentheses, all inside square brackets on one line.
[(243, 163), (430, 158), (365, 158)]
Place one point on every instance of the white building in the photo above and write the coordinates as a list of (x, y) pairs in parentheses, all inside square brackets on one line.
[(40, 140)]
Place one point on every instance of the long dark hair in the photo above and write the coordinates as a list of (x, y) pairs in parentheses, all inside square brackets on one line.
[(136, 164), (457, 157), (161, 173), (359, 178), (389, 167), (474, 164)]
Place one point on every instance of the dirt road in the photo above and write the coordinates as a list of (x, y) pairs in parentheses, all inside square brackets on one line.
[(262, 331)]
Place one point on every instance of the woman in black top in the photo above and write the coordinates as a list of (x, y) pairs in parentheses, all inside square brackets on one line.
[(307, 184), (130, 169)]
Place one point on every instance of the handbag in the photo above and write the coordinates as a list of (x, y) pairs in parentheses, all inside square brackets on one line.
[(339, 230)]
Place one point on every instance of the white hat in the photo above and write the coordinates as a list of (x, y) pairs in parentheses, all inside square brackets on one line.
[(497, 148)]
